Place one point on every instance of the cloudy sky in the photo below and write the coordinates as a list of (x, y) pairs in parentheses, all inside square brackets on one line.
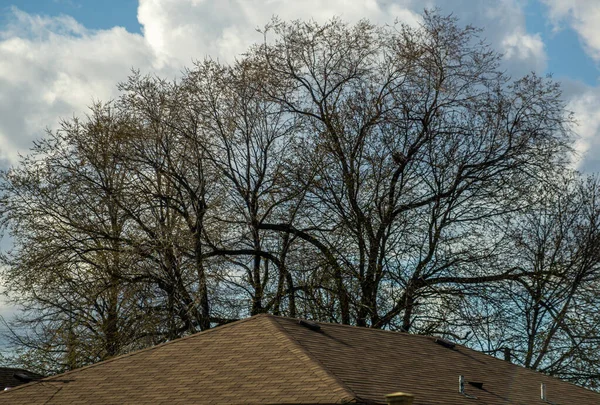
[(58, 56)]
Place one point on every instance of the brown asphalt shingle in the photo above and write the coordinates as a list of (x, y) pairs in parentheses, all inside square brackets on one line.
[(273, 360)]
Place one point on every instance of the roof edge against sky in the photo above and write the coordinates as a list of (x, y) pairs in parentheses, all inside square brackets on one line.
[(332, 360), (136, 352)]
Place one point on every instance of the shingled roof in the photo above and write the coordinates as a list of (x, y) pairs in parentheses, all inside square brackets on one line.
[(273, 360)]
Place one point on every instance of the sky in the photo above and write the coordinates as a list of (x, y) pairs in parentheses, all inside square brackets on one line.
[(59, 56)]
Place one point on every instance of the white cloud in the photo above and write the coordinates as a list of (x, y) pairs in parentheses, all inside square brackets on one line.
[(193, 29), (183, 30), (504, 27), (525, 49), (583, 16), (585, 104), (40, 27), (52, 67)]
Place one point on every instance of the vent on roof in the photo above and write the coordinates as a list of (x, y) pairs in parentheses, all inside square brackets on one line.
[(446, 343), (476, 384), (23, 377), (308, 324), (507, 354)]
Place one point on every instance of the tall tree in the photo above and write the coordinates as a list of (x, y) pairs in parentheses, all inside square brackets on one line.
[(388, 177), (69, 265), (418, 140), (548, 319)]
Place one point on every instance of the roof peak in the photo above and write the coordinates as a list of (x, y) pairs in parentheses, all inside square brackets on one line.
[(273, 359)]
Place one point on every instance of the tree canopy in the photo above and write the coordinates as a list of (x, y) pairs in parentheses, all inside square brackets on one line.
[(381, 176)]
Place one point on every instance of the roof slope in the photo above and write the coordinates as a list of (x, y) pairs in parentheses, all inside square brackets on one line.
[(372, 363), (251, 361), (273, 360)]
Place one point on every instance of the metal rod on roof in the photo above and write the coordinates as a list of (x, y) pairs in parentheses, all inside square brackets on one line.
[(461, 387), (543, 392)]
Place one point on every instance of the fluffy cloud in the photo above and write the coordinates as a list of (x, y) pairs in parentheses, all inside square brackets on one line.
[(52, 67), (504, 27), (525, 50), (583, 17), (584, 102), (186, 29), (182, 29)]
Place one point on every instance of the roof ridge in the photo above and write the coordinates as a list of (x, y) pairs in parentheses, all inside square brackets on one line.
[(133, 353), (418, 336), (459, 345), (341, 325), (351, 394)]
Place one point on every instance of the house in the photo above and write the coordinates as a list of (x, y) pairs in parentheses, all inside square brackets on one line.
[(12, 377), (267, 359)]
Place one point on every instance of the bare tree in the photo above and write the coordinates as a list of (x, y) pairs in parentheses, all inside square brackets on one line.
[(418, 141), (548, 320), (390, 177), (69, 266)]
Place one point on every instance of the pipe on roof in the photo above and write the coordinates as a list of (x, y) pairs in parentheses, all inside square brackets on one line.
[(543, 392), (400, 398)]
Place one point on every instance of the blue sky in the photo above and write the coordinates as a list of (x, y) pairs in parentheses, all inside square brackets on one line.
[(93, 14), (57, 56), (566, 56)]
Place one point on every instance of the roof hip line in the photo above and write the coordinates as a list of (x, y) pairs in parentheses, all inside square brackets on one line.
[(353, 396)]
